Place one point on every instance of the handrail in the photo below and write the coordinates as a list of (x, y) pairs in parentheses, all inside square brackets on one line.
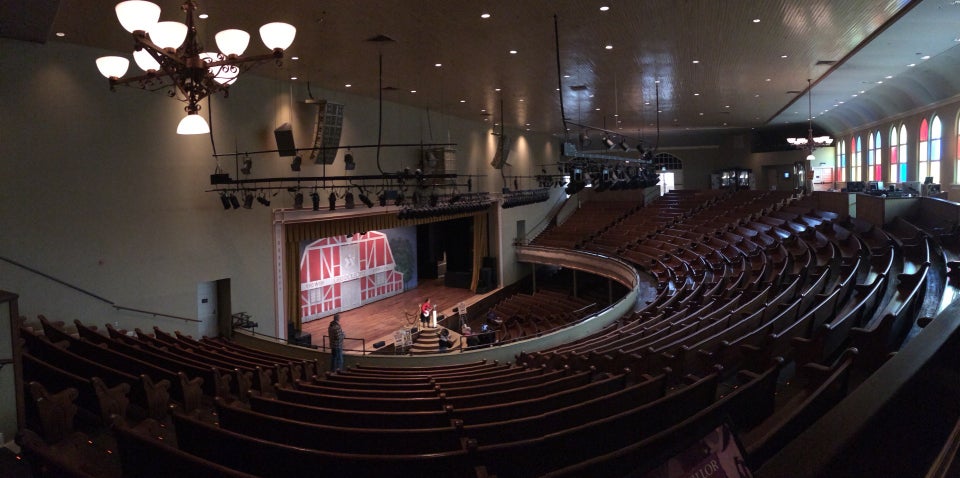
[(58, 281), (363, 345), (554, 210), (155, 314), (91, 294)]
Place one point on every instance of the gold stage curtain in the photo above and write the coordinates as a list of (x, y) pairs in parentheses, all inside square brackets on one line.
[(479, 247)]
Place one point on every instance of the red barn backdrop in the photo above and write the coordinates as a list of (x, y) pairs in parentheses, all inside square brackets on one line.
[(344, 272)]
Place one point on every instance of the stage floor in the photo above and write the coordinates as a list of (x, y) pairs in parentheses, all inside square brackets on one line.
[(379, 320)]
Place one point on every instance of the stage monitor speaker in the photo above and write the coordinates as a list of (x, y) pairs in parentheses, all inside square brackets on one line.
[(284, 137), (379, 344)]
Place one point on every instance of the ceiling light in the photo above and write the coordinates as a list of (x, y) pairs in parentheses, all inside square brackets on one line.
[(298, 200), (463, 101), (810, 143), (912, 65), (348, 85), (484, 15), (768, 79), (203, 16), (756, 20), (925, 57), (888, 77), (295, 163), (608, 47), (604, 8), (696, 62), (608, 142), (294, 58), (783, 56), (315, 200), (696, 94), (513, 52), (413, 91), (438, 65), (234, 202), (248, 200), (263, 200), (182, 62), (60, 34)]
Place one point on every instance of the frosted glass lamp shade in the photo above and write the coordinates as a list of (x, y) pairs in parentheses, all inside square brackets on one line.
[(146, 62), (137, 15), (193, 124), (278, 35), (811, 157), (168, 34), (232, 42), (113, 66)]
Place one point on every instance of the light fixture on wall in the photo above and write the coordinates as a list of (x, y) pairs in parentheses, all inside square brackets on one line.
[(810, 143), (172, 57)]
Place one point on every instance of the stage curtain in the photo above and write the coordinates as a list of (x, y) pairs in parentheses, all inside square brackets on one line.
[(479, 247)]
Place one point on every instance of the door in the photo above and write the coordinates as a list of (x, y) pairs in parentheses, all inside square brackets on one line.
[(207, 308)]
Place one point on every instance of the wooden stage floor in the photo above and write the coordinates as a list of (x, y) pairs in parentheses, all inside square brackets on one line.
[(379, 320)]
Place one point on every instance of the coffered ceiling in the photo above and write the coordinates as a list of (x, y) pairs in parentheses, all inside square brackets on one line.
[(712, 65)]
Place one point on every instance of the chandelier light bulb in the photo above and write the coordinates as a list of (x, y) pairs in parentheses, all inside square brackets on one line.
[(137, 15), (232, 42), (146, 62), (168, 34), (113, 66), (277, 35), (193, 124)]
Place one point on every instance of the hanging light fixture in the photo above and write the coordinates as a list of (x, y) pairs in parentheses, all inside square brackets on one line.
[(172, 57), (809, 144)]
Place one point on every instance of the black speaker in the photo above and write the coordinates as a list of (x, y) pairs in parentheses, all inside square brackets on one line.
[(284, 136), (379, 344)]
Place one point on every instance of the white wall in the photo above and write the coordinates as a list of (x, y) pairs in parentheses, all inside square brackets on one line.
[(96, 188)]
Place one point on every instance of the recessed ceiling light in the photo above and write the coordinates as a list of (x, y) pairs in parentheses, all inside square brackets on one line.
[(854, 95), (616, 115), (597, 109), (293, 77), (484, 15), (912, 65), (526, 124), (646, 103), (483, 110), (840, 102), (522, 100), (925, 57), (513, 52), (591, 96), (463, 101), (203, 16), (413, 91), (696, 62), (888, 77), (60, 34), (756, 95), (879, 82), (438, 65), (768, 79), (348, 85), (496, 89), (294, 58), (783, 56), (604, 8), (608, 47), (701, 114), (656, 81), (756, 20), (696, 94), (862, 92), (566, 76), (726, 106)]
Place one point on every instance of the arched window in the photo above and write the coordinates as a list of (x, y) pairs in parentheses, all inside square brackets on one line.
[(902, 150), (935, 135), (923, 150), (667, 161), (841, 162), (894, 157), (857, 160), (877, 153), (871, 162)]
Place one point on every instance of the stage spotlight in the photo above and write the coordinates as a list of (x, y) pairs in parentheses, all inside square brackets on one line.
[(295, 164), (454, 199), (332, 199), (608, 142), (263, 200), (382, 198), (348, 199), (234, 202), (623, 145), (399, 200), (366, 200), (315, 201), (434, 199), (348, 162), (298, 200), (225, 200), (248, 200), (247, 165)]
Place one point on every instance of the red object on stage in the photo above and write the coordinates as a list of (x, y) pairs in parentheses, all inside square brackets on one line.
[(344, 272)]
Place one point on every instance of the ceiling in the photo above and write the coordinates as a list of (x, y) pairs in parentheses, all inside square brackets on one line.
[(721, 65)]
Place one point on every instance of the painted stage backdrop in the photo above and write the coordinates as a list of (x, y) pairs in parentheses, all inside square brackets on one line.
[(344, 272)]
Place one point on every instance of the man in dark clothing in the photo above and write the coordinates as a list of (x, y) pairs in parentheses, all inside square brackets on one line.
[(336, 343)]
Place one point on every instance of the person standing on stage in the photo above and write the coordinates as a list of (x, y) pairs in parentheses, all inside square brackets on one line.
[(336, 343), (425, 310)]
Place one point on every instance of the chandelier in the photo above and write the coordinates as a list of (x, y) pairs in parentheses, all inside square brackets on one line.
[(171, 57), (810, 143)]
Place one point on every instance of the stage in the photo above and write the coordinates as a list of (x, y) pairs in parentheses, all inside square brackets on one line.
[(379, 320)]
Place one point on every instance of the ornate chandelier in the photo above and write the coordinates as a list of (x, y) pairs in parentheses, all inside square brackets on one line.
[(809, 144), (171, 57)]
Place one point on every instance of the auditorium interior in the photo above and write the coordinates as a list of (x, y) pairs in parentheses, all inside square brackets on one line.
[(563, 238)]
